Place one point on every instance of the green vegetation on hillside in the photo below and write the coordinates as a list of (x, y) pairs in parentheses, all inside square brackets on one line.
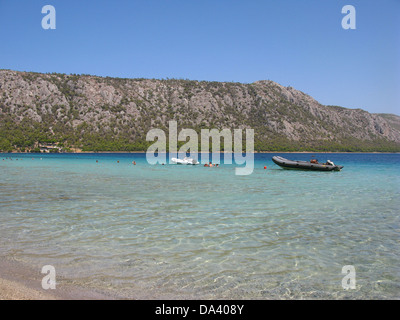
[(25, 136)]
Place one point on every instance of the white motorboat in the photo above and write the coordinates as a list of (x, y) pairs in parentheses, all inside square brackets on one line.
[(185, 160)]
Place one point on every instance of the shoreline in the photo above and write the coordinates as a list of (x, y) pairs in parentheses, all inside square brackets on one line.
[(255, 152), (22, 282)]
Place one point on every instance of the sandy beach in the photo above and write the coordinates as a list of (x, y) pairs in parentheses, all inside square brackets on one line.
[(20, 282), (11, 290)]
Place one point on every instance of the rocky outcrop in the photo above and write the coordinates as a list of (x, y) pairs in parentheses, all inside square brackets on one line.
[(128, 108)]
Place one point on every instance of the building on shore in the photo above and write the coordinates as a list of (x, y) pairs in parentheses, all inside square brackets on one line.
[(49, 148)]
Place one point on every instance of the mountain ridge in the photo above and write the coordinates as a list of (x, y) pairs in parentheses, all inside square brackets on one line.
[(114, 114)]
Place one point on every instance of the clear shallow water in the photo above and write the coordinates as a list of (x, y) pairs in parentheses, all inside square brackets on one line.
[(192, 232)]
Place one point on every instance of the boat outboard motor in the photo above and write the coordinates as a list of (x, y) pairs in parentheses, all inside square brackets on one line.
[(330, 162)]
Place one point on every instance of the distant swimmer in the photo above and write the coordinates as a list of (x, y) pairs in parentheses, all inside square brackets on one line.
[(97, 161), (118, 161), (134, 163), (206, 165)]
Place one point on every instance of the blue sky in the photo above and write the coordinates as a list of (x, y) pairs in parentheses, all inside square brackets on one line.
[(295, 43)]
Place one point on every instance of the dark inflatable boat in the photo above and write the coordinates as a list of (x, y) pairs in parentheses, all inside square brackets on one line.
[(306, 165)]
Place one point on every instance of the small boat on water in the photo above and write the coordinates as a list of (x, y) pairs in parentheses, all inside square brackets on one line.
[(185, 160), (306, 165)]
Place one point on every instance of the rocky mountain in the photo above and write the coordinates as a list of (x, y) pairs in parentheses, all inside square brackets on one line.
[(102, 113)]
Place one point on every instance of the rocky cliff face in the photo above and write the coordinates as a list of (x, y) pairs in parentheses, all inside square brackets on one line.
[(68, 108)]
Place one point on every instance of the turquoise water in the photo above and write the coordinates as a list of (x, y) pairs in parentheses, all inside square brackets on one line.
[(189, 232)]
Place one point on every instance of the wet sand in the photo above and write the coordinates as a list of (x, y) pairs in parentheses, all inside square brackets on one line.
[(10, 290), (20, 282)]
